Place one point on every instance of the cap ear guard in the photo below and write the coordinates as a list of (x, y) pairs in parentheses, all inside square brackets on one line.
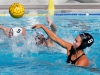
[(90, 42), (87, 40)]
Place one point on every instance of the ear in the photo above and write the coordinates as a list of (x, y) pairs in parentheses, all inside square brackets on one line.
[(84, 44)]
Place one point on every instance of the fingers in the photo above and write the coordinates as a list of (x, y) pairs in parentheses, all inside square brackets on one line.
[(36, 26), (33, 27), (48, 20)]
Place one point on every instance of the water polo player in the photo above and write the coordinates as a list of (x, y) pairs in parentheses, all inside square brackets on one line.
[(40, 38), (14, 32), (75, 53)]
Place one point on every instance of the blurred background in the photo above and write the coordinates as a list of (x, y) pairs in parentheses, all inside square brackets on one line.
[(46, 1), (59, 4)]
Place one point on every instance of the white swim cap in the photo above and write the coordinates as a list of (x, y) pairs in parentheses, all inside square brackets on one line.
[(39, 33), (17, 31)]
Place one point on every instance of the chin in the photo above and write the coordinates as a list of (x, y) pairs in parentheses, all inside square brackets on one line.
[(74, 47)]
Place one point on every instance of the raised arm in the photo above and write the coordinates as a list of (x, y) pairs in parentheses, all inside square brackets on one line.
[(54, 37), (53, 27), (51, 24)]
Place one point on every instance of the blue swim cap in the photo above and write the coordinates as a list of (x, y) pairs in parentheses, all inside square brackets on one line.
[(87, 40)]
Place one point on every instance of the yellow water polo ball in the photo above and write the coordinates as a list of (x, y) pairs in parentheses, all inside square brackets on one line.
[(16, 10)]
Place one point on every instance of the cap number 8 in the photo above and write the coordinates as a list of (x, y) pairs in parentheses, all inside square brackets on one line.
[(91, 40)]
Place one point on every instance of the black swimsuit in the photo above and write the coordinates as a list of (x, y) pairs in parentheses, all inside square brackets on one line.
[(74, 61)]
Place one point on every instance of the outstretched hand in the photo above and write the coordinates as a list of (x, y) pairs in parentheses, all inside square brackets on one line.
[(36, 26), (48, 20)]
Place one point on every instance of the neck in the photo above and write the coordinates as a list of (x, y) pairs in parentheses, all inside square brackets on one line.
[(76, 51), (79, 52)]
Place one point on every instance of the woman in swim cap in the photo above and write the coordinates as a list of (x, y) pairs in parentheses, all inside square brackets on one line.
[(40, 39), (75, 51), (14, 32)]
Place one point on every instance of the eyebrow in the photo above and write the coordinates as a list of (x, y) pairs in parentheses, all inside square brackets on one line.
[(77, 40)]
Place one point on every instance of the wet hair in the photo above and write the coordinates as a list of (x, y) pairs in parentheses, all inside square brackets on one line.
[(87, 40)]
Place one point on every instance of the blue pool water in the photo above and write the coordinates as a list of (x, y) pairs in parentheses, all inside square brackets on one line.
[(26, 58)]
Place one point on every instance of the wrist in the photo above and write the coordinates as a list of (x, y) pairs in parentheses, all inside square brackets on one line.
[(4, 29), (42, 26)]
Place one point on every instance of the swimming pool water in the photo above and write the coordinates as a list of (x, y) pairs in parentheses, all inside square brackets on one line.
[(26, 58)]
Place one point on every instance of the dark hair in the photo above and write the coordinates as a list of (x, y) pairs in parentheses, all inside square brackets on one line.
[(87, 40)]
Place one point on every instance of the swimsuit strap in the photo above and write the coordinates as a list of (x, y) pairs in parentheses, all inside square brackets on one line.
[(73, 62), (69, 58)]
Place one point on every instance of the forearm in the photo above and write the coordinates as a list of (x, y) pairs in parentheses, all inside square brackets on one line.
[(53, 27), (55, 38), (51, 34), (1, 27), (4, 29)]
